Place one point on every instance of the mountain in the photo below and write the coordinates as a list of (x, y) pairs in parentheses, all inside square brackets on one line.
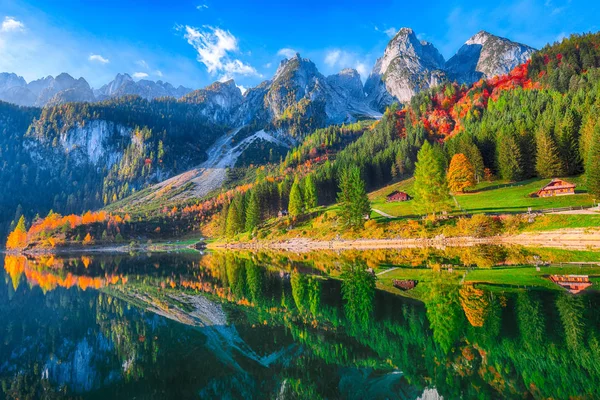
[(46, 91), (298, 91), (124, 85), (484, 56), (64, 89), (408, 66), (217, 102)]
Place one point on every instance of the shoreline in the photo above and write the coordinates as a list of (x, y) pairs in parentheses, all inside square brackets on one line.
[(572, 239)]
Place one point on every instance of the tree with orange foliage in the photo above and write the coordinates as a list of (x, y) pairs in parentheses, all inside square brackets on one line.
[(87, 239), (461, 174), (18, 238)]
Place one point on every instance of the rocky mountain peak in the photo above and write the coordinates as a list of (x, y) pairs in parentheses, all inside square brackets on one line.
[(485, 55), (408, 66), (349, 81), (125, 85)]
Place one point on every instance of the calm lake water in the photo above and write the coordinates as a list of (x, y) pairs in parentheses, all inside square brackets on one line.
[(243, 326)]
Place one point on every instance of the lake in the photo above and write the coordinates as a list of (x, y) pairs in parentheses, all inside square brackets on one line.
[(287, 326)]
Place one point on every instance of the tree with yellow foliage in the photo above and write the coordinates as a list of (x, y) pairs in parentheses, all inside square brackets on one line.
[(18, 238), (461, 174), (87, 239)]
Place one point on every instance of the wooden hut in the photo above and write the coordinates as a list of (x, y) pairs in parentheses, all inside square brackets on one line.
[(573, 283), (397, 196), (557, 187)]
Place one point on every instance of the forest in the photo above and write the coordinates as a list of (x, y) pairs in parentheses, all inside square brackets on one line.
[(540, 120)]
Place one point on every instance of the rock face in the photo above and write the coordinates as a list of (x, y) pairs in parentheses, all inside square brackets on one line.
[(408, 66), (484, 56), (64, 88), (218, 101), (124, 85), (299, 88)]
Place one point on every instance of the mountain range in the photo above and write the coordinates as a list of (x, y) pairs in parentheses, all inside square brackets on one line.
[(407, 66), (102, 148)]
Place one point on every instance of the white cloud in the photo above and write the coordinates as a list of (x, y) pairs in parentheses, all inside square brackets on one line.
[(158, 73), (143, 64), (287, 52), (139, 75), (10, 24), (243, 89), (268, 65), (215, 47), (98, 58), (391, 32), (338, 59), (201, 7), (332, 57), (362, 69)]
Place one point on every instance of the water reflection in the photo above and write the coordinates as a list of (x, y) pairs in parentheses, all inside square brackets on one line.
[(247, 325)]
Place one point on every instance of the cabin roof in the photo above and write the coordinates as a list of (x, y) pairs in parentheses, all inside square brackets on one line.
[(558, 184)]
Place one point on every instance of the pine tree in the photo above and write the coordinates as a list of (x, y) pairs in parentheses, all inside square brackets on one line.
[(547, 163), (235, 218), (592, 170), (296, 204), (461, 174), (223, 218), (352, 198), (568, 143), (509, 158), (252, 212), (430, 187), (310, 192)]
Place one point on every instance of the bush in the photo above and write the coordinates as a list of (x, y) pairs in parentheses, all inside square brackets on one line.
[(480, 225)]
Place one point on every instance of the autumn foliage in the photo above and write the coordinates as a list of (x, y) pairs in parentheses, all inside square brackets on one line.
[(444, 111), (461, 174), (50, 231)]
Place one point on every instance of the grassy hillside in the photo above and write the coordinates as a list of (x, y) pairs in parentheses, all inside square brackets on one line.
[(487, 197)]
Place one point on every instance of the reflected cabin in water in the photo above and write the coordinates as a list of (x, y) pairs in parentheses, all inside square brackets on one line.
[(573, 283), (557, 187)]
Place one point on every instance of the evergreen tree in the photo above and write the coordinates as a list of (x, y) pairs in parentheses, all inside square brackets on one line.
[(547, 163), (252, 212), (222, 225), (568, 143), (235, 217), (430, 187), (310, 192), (461, 174), (353, 200), (296, 205), (509, 158), (592, 170)]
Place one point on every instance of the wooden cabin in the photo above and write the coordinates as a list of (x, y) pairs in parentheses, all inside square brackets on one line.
[(573, 283), (404, 284), (397, 196), (557, 187)]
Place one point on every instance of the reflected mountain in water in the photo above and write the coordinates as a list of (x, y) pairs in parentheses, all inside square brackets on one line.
[(252, 325)]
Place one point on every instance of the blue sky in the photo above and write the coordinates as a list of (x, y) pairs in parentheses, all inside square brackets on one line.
[(194, 43)]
